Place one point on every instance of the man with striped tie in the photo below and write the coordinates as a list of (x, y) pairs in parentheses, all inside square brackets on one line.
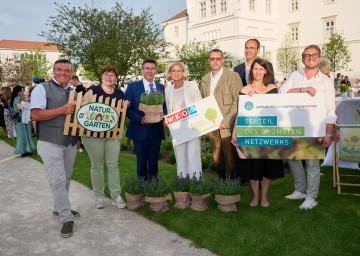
[(146, 137)]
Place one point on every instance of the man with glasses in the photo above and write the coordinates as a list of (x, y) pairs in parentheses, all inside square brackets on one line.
[(49, 107), (225, 85), (146, 137), (310, 80)]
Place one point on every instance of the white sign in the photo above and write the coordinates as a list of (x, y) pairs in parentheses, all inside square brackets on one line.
[(281, 126), (97, 117), (200, 118)]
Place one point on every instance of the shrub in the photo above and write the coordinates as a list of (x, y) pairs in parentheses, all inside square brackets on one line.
[(226, 187), (152, 98), (200, 187), (156, 188), (134, 185), (180, 184)]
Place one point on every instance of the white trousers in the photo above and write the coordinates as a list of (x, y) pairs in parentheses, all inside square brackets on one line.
[(188, 159)]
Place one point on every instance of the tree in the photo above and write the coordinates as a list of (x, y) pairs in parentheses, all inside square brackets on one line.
[(94, 37), (15, 71), (195, 56), (37, 62), (337, 51), (287, 57)]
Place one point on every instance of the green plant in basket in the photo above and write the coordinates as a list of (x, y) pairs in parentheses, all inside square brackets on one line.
[(156, 188), (226, 187), (152, 98), (344, 88), (200, 186), (180, 183), (134, 185)]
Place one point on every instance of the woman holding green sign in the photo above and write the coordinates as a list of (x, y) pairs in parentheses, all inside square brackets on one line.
[(103, 149), (259, 171)]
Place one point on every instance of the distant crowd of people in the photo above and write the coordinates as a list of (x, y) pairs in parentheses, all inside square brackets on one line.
[(49, 107)]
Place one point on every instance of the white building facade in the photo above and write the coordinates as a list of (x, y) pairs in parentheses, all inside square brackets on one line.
[(232, 22)]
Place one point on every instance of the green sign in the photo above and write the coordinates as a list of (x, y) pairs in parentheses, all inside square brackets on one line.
[(97, 117)]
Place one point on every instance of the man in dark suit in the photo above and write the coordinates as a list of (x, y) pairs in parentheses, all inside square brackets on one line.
[(252, 49), (146, 137)]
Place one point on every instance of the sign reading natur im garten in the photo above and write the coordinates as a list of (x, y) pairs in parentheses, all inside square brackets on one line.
[(97, 117)]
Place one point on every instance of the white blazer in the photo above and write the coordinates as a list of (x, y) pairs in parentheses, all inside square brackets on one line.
[(191, 94)]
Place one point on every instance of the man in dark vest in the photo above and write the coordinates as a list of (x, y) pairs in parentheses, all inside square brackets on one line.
[(49, 107)]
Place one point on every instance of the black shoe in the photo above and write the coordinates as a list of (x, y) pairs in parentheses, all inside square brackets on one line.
[(67, 229), (75, 213), (26, 154)]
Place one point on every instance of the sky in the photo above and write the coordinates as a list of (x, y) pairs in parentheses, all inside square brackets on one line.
[(25, 19)]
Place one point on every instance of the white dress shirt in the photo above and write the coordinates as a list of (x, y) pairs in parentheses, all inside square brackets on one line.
[(215, 80)]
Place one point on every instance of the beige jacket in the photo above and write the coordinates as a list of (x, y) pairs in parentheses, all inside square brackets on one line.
[(226, 94)]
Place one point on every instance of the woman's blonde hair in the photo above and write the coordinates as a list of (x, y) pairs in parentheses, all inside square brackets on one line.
[(176, 63)]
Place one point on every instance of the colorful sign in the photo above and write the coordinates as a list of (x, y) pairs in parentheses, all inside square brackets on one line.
[(97, 117), (200, 118), (349, 144), (281, 126)]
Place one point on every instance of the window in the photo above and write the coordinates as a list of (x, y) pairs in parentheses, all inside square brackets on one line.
[(176, 30), (329, 28), (223, 5), (252, 5), (330, 1), (294, 33), (268, 56), (268, 6), (213, 7), (203, 10), (294, 5)]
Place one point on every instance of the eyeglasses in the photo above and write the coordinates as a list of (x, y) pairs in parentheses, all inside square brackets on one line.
[(217, 59), (111, 75), (311, 56)]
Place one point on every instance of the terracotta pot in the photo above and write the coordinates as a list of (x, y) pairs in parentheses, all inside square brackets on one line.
[(182, 200), (133, 202), (227, 203), (200, 203)]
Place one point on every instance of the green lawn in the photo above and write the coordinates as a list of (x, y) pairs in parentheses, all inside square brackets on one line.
[(332, 228)]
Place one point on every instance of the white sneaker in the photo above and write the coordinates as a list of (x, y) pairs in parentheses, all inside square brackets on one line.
[(296, 195), (80, 150), (309, 203), (99, 203), (118, 202)]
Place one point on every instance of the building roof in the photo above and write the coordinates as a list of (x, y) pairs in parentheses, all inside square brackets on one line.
[(181, 14), (27, 45)]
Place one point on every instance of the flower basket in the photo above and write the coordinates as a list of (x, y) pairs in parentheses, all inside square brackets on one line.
[(152, 112), (152, 105), (227, 194), (227, 203), (200, 191), (134, 202), (200, 202), (180, 187), (182, 200), (157, 193), (158, 204)]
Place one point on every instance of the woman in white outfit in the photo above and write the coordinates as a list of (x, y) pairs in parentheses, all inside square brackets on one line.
[(179, 95)]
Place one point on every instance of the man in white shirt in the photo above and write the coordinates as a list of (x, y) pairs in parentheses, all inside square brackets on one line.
[(310, 80)]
